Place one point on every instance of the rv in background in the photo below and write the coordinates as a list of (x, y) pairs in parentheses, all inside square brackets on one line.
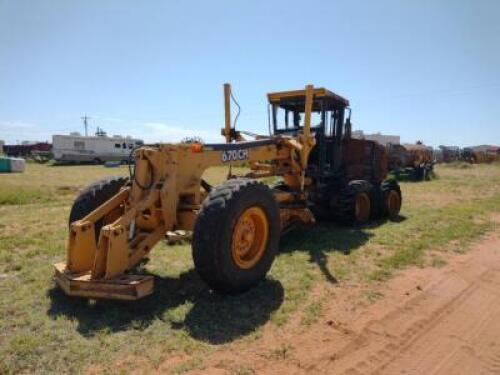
[(75, 148)]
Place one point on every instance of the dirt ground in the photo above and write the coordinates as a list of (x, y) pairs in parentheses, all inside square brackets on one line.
[(429, 321)]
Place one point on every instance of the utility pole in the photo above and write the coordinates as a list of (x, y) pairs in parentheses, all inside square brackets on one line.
[(85, 119)]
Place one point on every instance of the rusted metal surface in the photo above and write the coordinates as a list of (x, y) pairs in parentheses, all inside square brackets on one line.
[(416, 158)]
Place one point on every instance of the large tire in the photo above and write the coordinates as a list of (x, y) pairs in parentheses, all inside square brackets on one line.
[(93, 196), (354, 204), (391, 199), (225, 263)]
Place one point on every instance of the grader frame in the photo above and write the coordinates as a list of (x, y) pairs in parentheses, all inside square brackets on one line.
[(166, 194)]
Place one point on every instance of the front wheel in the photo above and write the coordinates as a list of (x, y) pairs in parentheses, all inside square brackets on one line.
[(95, 195), (236, 235)]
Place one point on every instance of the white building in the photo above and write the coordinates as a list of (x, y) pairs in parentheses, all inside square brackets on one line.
[(383, 139)]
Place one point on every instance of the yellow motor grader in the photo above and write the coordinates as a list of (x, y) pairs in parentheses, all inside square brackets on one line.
[(324, 173)]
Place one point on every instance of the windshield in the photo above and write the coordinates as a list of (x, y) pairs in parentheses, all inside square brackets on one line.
[(284, 119), (290, 121)]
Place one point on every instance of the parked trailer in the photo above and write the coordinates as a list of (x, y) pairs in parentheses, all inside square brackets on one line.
[(75, 148)]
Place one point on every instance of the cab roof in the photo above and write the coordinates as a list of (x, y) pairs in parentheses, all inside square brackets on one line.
[(295, 99)]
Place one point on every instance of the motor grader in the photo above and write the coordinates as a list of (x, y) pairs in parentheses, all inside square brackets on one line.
[(323, 173), (478, 156), (415, 160)]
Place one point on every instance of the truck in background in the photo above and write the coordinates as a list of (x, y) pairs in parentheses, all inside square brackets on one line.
[(75, 148)]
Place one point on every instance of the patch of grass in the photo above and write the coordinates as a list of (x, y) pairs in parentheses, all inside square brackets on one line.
[(190, 364), (433, 175), (243, 370), (312, 313), (435, 228), (14, 195), (458, 165), (438, 262), (380, 274), (284, 351), (372, 295)]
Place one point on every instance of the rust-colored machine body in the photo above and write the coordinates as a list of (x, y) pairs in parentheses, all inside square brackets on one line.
[(477, 156), (449, 154), (236, 225), (364, 159), (416, 159)]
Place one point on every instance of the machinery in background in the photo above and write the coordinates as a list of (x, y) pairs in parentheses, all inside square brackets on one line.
[(480, 154), (449, 154), (415, 160)]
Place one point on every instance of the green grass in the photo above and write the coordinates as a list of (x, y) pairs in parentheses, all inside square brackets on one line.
[(42, 330), (438, 262), (458, 165), (13, 195), (372, 295), (282, 352), (312, 312)]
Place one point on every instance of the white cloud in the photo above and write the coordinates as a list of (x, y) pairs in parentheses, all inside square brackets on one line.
[(13, 131), (161, 132), (150, 132)]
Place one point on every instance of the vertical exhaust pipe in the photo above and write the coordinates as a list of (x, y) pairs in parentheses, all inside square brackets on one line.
[(227, 112)]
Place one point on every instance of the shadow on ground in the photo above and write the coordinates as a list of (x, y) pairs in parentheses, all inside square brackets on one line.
[(212, 318), (328, 237)]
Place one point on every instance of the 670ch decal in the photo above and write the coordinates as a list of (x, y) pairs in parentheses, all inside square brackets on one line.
[(234, 155)]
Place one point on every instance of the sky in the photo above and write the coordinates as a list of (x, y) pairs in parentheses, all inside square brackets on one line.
[(426, 70)]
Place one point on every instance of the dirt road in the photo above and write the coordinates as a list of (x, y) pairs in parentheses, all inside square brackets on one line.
[(429, 321), (451, 327)]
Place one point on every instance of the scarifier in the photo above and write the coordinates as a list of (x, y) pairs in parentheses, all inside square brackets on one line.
[(323, 174)]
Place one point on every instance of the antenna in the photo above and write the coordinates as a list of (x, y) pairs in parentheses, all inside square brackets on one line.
[(85, 119)]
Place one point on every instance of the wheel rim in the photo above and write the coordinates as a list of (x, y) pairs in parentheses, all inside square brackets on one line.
[(250, 237), (393, 203), (362, 207)]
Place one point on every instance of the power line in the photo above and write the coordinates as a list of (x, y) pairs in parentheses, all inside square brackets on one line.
[(85, 119)]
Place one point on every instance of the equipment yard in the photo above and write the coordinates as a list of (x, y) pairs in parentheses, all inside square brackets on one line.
[(377, 297)]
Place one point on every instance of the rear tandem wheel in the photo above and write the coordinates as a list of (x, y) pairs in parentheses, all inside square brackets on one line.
[(354, 204)]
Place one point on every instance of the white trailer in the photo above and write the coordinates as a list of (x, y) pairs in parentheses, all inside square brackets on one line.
[(75, 148)]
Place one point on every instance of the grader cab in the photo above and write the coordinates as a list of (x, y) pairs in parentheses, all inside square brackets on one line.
[(323, 173)]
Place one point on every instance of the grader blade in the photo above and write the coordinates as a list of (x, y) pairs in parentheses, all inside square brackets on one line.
[(100, 253), (124, 287)]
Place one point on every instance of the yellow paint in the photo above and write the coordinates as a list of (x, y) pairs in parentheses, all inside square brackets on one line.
[(249, 237)]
